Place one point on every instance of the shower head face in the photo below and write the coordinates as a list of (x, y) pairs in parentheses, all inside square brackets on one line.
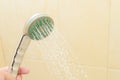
[(39, 26)]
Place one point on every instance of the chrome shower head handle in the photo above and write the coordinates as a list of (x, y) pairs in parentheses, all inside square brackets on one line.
[(39, 26), (18, 56)]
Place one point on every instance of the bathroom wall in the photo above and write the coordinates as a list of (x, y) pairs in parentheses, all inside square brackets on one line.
[(2, 60), (88, 23), (91, 27), (114, 51)]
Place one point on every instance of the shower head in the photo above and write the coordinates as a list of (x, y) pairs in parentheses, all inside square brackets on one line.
[(38, 27)]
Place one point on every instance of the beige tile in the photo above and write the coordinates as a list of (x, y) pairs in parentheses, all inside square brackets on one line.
[(2, 59), (83, 72), (38, 70), (114, 74), (114, 58), (95, 73), (114, 49), (90, 72), (85, 25)]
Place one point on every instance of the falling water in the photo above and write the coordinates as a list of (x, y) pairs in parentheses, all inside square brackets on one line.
[(55, 53)]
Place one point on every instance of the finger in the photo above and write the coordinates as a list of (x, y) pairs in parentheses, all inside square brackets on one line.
[(19, 77), (23, 70)]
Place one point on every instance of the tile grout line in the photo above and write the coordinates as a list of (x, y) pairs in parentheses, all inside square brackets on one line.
[(108, 43), (3, 54)]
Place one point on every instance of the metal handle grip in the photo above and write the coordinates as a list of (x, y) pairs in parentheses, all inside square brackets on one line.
[(19, 54)]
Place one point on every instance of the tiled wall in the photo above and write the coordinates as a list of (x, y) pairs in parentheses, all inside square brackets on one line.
[(90, 26), (2, 60), (114, 51), (87, 22)]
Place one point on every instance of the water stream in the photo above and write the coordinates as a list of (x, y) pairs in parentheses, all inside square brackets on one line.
[(55, 54)]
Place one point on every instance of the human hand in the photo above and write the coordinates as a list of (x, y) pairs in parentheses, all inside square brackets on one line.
[(5, 75), (22, 70)]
